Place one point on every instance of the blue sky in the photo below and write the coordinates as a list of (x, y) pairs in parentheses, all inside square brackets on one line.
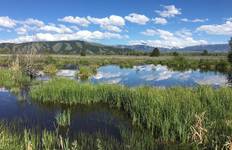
[(159, 23)]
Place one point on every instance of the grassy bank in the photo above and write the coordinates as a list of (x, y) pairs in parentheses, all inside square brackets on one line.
[(181, 62), (200, 115)]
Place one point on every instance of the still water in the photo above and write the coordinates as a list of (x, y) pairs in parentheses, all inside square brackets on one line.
[(88, 119), (158, 76)]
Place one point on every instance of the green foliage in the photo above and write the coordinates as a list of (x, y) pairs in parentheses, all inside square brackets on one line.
[(155, 52), (205, 53), (168, 113), (175, 54), (230, 56), (230, 43), (13, 80), (86, 71), (63, 119), (83, 53), (50, 69), (230, 51)]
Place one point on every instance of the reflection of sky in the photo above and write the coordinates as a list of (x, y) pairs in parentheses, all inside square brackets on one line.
[(152, 75)]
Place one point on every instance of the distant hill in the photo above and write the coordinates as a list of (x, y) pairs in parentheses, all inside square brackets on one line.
[(197, 48), (210, 48), (76, 47), (63, 47)]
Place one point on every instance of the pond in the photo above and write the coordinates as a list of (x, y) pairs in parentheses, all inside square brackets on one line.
[(89, 119), (158, 76)]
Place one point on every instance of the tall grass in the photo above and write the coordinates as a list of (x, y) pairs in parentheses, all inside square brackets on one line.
[(12, 79), (63, 119), (49, 140), (168, 113), (85, 72)]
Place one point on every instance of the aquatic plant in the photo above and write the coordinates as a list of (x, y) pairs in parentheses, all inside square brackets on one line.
[(86, 71), (63, 118), (50, 69), (12, 80), (168, 113), (42, 139)]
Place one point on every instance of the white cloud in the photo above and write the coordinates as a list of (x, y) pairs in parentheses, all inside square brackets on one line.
[(137, 18), (169, 11), (21, 30), (167, 39), (159, 20), (7, 22), (57, 29), (112, 23), (217, 29), (80, 35), (31, 21), (76, 20), (194, 20)]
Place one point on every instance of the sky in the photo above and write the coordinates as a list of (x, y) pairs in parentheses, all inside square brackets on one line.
[(157, 23)]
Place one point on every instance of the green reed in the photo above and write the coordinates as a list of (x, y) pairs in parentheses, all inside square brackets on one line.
[(168, 113), (13, 80), (63, 119)]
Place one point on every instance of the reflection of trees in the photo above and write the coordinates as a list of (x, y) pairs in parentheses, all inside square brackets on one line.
[(229, 78)]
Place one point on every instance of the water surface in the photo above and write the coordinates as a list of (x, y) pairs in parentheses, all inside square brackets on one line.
[(157, 75)]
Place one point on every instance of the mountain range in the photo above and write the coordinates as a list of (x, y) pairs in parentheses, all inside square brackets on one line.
[(63, 47), (197, 48), (77, 47)]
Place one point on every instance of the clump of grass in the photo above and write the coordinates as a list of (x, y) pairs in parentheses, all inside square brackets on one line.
[(198, 130), (85, 72), (63, 119), (50, 69), (13, 80), (168, 113)]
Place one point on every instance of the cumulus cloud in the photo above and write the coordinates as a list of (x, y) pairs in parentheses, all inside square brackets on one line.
[(57, 29), (80, 35), (137, 18), (32, 21), (21, 30), (159, 20), (112, 23), (194, 20), (7, 22), (217, 29), (167, 39), (76, 20), (169, 11)]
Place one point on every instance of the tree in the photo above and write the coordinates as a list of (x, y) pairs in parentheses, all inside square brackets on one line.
[(175, 54), (205, 53), (155, 52), (230, 51), (83, 53)]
